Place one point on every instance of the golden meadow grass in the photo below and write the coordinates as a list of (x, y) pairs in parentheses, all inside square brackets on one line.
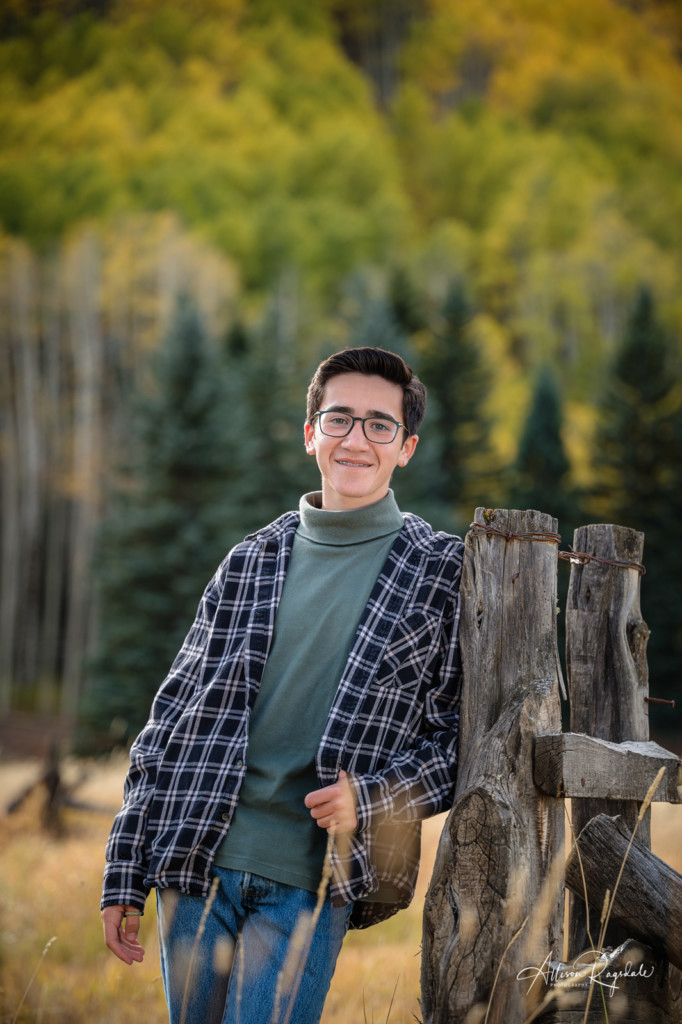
[(51, 889)]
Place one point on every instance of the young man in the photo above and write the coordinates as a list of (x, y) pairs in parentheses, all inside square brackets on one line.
[(309, 722)]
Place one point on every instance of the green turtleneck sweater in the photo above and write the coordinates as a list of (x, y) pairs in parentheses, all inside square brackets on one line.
[(335, 561)]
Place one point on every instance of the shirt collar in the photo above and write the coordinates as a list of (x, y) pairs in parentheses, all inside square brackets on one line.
[(355, 526)]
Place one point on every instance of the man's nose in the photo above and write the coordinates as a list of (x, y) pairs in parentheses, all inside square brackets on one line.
[(356, 435)]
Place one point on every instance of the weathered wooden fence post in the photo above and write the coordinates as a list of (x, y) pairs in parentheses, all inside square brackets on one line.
[(494, 903), (606, 667)]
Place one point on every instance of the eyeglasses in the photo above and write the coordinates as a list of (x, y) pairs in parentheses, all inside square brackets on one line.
[(378, 429)]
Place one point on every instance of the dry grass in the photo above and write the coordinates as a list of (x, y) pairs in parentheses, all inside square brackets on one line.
[(51, 888)]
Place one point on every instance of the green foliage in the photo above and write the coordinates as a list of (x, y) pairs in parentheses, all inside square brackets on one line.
[(544, 140), (259, 135), (456, 458), (638, 469), (165, 533), (533, 150), (405, 301), (266, 412), (540, 473), (540, 477), (376, 321), (530, 129), (635, 449)]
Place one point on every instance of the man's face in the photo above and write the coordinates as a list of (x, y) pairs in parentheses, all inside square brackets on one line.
[(357, 472)]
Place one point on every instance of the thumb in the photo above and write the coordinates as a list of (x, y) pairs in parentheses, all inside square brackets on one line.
[(131, 924)]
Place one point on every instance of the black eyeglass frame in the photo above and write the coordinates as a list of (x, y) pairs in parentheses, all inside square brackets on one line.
[(363, 420)]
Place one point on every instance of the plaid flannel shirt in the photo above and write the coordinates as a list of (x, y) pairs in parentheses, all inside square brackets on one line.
[(392, 726)]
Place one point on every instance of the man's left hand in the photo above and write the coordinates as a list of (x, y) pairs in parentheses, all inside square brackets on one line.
[(333, 807)]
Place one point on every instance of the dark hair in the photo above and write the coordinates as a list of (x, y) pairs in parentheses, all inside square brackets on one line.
[(371, 361)]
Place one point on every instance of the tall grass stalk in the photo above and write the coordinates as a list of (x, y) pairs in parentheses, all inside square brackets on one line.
[(582, 875), (390, 1005), (240, 978), (607, 907), (499, 967), (642, 811), (292, 972), (32, 979), (609, 903), (195, 946), (587, 916)]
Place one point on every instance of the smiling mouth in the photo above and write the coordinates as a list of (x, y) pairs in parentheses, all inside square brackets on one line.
[(353, 465)]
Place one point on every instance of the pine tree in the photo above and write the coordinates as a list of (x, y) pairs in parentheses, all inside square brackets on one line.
[(267, 409), (457, 470), (406, 302), (378, 324), (540, 473), (389, 321), (165, 534), (540, 476), (638, 467)]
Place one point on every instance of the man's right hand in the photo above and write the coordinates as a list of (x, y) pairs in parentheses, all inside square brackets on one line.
[(120, 934)]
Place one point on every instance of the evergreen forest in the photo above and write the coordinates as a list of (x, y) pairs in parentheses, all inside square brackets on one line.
[(201, 199)]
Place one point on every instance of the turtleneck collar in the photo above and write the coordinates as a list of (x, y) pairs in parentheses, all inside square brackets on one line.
[(322, 526)]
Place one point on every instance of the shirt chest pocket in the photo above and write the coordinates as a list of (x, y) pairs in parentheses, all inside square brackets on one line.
[(411, 652)]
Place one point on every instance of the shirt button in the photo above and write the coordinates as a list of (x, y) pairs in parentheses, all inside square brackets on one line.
[(225, 816), (240, 764)]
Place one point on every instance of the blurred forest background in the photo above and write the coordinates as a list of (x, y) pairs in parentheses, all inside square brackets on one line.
[(200, 199)]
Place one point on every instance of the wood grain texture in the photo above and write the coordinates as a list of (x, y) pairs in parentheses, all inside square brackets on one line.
[(503, 835), (607, 673), (648, 900), (573, 765)]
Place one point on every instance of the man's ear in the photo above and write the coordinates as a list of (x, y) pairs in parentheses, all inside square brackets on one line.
[(407, 450), (309, 436)]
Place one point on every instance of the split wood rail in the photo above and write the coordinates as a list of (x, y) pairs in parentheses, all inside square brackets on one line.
[(494, 948)]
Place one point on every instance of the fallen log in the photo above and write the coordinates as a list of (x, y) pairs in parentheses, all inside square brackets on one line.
[(647, 900)]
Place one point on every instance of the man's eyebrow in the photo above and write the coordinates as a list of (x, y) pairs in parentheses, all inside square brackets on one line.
[(374, 413)]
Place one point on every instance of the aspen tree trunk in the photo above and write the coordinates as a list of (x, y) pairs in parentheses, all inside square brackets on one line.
[(29, 410), (10, 539), (56, 401), (495, 903), (10, 561), (21, 478), (87, 354), (74, 337)]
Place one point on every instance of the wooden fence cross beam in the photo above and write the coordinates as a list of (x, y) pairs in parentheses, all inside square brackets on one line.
[(572, 765)]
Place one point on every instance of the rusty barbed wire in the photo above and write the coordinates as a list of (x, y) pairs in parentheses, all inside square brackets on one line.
[(577, 557), (538, 535), (581, 558)]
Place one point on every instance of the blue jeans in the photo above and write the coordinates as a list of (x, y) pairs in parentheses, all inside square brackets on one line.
[(247, 956)]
